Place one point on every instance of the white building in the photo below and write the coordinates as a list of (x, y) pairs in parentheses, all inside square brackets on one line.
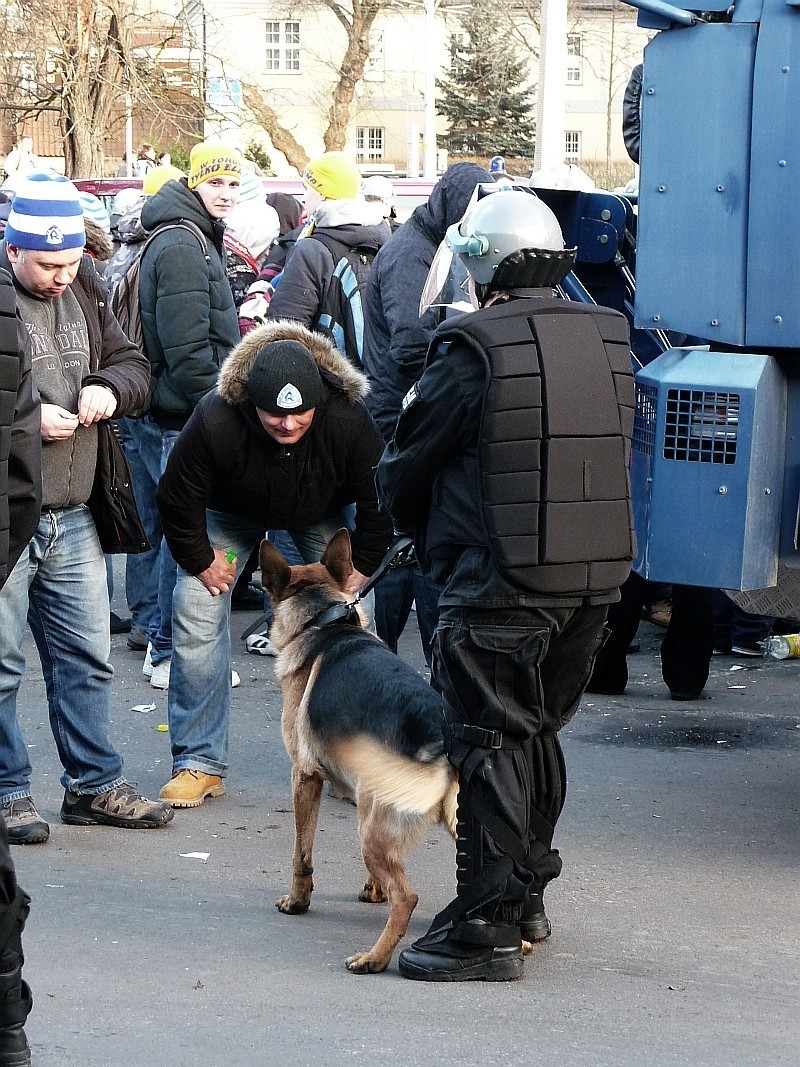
[(293, 55)]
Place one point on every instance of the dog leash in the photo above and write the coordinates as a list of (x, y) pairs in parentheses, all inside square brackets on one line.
[(399, 554)]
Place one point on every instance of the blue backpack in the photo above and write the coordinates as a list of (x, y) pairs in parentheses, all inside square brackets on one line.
[(341, 313)]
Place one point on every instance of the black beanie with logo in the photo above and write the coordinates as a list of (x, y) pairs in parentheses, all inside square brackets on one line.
[(284, 379)]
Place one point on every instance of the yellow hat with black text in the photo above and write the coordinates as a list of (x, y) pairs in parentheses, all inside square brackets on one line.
[(207, 160), (334, 175)]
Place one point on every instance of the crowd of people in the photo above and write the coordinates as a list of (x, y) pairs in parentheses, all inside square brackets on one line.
[(289, 351)]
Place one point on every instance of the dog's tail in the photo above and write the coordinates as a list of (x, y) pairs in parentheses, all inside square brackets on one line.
[(408, 785)]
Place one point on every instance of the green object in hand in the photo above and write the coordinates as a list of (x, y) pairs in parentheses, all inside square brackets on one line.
[(230, 556)]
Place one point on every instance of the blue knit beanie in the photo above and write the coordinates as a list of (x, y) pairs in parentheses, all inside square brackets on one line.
[(94, 209), (46, 214)]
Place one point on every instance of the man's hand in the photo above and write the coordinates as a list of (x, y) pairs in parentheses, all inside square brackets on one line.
[(354, 582), (57, 423), (218, 578), (95, 402)]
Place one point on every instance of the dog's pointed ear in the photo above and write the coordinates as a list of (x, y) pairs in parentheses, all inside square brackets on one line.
[(337, 558), (275, 571)]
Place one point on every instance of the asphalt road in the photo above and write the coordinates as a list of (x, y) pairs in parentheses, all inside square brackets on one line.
[(675, 922)]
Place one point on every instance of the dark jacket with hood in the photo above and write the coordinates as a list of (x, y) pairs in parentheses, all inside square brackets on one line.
[(225, 460), (395, 337), (309, 266), (20, 435), (189, 320)]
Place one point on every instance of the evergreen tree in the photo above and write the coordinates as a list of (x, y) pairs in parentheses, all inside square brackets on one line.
[(488, 106)]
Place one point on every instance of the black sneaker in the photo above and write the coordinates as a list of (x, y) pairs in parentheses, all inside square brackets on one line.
[(121, 806), (24, 823), (119, 625), (474, 950)]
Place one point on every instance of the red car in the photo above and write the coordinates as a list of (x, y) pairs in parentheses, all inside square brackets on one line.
[(409, 192)]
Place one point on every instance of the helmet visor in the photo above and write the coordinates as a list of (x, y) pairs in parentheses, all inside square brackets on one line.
[(448, 284)]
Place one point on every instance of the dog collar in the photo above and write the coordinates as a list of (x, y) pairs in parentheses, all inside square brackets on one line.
[(336, 613)]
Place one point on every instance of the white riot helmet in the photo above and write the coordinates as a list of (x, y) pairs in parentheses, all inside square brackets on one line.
[(511, 240)]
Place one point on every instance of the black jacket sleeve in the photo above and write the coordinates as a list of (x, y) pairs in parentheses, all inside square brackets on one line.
[(298, 295), (183, 494), (439, 420), (116, 362), (373, 528), (21, 449), (631, 113)]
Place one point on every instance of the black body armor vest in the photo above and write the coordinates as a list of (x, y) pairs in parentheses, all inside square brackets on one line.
[(554, 442)]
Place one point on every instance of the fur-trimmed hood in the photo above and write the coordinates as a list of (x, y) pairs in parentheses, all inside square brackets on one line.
[(337, 370)]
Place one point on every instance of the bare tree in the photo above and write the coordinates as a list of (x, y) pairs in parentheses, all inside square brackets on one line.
[(357, 20), (282, 138)]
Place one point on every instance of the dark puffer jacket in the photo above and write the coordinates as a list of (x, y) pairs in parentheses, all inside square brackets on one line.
[(20, 435), (225, 460), (395, 337), (343, 225), (189, 319)]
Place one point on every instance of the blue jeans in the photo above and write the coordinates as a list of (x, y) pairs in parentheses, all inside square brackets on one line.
[(58, 587), (141, 568), (394, 595), (199, 698), (154, 574)]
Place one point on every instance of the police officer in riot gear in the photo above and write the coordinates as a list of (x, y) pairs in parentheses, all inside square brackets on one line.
[(509, 464)]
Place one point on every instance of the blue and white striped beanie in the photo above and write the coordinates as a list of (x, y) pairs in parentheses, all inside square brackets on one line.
[(46, 215), (94, 209)]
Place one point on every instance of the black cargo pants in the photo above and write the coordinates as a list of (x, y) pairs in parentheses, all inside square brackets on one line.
[(510, 680)]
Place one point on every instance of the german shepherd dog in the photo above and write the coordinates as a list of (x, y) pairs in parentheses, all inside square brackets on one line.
[(355, 714)]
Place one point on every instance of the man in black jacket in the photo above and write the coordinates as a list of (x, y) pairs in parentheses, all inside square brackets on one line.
[(20, 505), (509, 463), (285, 443), (396, 339), (85, 370), (189, 324)]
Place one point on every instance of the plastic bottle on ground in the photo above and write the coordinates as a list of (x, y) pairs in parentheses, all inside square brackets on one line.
[(783, 646)]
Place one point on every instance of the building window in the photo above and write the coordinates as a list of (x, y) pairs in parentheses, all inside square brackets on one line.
[(369, 143), (574, 59), (283, 47), (572, 145)]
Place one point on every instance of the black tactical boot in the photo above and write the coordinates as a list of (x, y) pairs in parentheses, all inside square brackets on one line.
[(534, 924), (474, 950), (15, 1005)]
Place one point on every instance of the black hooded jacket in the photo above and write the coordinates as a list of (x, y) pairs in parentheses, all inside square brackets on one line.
[(395, 337), (189, 319), (225, 460)]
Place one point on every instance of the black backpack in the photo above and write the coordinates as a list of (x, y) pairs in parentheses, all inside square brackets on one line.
[(341, 313)]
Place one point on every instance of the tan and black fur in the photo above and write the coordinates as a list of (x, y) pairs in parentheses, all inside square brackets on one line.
[(356, 715)]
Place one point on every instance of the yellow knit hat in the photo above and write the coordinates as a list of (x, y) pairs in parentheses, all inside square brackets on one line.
[(208, 160), (159, 176), (334, 175)]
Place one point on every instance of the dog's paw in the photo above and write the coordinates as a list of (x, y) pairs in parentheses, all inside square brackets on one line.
[(372, 893), (290, 905), (365, 963)]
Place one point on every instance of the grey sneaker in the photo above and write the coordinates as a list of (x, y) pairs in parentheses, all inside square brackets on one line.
[(24, 823), (121, 806)]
